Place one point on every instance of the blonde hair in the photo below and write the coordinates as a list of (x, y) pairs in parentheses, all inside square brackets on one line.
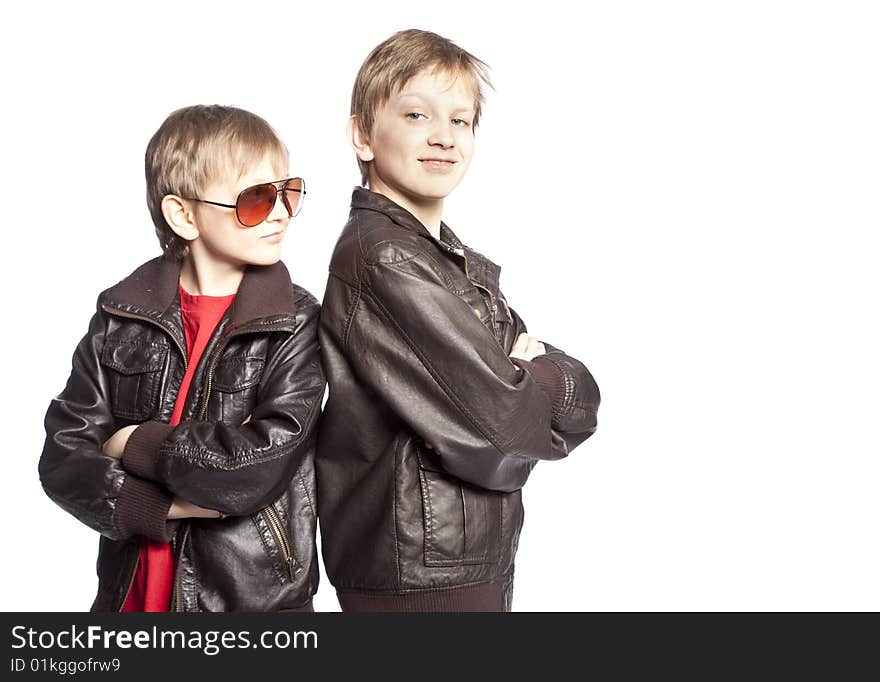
[(391, 65), (196, 144)]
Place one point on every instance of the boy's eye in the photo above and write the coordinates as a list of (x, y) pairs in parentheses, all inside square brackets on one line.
[(460, 122), (414, 115)]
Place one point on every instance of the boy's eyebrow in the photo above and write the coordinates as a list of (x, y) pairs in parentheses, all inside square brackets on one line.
[(420, 95), (459, 107)]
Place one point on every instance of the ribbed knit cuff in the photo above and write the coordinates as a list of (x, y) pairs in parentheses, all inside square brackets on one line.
[(142, 509), (142, 449), (548, 376)]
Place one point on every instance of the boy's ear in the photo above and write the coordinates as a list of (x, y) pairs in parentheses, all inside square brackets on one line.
[(358, 140), (179, 217)]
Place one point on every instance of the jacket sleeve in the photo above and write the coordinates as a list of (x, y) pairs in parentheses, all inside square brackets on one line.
[(568, 384), (74, 471), (239, 469), (443, 372)]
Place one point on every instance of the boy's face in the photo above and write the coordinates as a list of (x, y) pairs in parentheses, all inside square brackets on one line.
[(422, 139), (222, 238)]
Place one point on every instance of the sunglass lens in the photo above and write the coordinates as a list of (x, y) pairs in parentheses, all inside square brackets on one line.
[(255, 204), (293, 195)]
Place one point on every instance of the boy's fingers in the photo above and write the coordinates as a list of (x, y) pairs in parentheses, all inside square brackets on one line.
[(520, 345), (535, 347), (115, 445), (527, 347)]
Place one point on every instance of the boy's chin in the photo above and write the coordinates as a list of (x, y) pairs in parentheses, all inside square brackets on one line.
[(264, 261), (263, 258), (423, 195), (440, 191), (419, 193)]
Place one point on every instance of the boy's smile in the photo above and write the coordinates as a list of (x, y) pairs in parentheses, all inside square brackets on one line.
[(438, 165), (422, 140)]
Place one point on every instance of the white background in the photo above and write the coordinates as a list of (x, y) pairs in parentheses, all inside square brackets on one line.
[(684, 195)]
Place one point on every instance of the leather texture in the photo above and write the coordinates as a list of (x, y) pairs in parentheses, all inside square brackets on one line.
[(430, 430), (245, 444)]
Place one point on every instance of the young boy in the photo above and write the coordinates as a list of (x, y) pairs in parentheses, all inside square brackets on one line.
[(440, 402), (185, 433)]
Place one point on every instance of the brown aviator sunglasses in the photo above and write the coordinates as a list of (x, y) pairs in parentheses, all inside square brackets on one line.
[(254, 204)]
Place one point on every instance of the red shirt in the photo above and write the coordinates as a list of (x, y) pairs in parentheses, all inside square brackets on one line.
[(154, 579)]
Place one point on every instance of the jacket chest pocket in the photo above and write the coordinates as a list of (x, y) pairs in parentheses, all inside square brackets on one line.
[(462, 524), (135, 377), (234, 385)]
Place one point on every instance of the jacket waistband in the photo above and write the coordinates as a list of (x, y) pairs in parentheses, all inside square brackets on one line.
[(483, 597)]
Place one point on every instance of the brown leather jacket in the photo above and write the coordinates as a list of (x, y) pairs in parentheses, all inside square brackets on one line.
[(263, 361), (430, 429)]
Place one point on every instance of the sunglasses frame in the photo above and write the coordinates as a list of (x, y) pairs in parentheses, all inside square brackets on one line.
[(278, 190)]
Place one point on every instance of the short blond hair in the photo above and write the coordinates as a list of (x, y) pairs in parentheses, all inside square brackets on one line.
[(196, 144), (394, 62)]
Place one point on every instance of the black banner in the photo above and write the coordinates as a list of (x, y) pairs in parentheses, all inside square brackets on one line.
[(409, 646)]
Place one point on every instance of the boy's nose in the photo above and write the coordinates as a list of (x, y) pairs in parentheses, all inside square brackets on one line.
[(279, 210), (442, 136)]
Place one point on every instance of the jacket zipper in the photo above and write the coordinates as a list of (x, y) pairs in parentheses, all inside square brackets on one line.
[(177, 589), (210, 371), (130, 582), (204, 409), (176, 598), (134, 316), (274, 522), (493, 304)]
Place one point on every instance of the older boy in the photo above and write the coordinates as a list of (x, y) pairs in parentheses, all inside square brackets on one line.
[(440, 402), (194, 394)]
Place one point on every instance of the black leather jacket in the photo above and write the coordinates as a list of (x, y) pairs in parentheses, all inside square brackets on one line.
[(262, 362), (430, 429)]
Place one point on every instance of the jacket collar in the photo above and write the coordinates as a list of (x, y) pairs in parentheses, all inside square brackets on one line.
[(152, 290), (373, 201), (481, 270)]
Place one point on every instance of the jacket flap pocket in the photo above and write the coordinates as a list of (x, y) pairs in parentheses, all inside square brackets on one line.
[(237, 373), (128, 357)]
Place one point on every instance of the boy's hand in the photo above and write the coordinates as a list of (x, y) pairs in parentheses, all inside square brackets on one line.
[(526, 347), (115, 445), (181, 509)]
